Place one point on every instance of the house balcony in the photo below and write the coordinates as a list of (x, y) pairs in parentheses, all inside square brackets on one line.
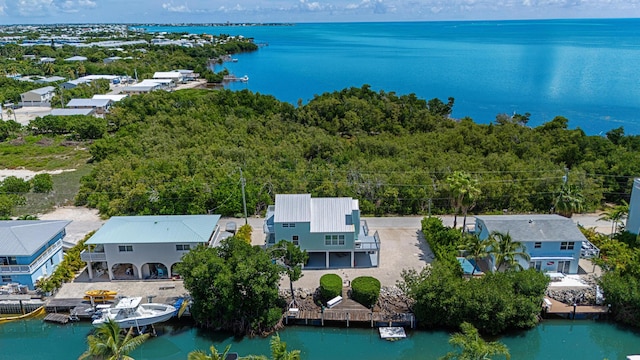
[(368, 243), (35, 264), (93, 256)]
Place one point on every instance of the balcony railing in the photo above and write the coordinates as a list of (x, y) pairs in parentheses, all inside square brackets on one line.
[(88, 256), (369, 243), (35, 264)]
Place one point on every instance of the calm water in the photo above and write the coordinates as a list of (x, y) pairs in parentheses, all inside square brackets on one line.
[(585, 70), (552, 340)]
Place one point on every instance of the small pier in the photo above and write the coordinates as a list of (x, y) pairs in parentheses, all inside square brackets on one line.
[(556, 308), (233, 78), (57, 318)]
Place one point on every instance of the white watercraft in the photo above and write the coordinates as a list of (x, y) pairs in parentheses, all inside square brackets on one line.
[(130, 312)]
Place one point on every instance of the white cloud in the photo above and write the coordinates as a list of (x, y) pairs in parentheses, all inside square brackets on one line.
[(74, 6), (170, 7), (2, 13)]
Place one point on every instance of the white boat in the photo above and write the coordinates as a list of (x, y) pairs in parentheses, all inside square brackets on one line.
[(633, 357), (130, 312)]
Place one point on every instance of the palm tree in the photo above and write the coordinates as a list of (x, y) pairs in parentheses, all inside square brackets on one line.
[(215, 355), (507, 251), (615, 214), (48, 68), (464, 193), (109, 343), (470, 346), (475, 248), (278, 351), (569, 201)]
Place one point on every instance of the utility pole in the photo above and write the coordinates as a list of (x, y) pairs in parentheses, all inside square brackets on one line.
[(244, 198)]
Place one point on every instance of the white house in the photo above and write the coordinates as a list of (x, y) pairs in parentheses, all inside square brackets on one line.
[(38, 97), (76, 58), (140, 247), (633, 218), (174, 76), (329, 229), (113, 97), (100, 106), (71, 112)]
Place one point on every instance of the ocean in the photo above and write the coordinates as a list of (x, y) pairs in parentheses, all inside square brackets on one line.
[(584, 70)]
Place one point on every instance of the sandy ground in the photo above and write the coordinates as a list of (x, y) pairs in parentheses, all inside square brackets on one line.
[(27, 174), (27, 113)]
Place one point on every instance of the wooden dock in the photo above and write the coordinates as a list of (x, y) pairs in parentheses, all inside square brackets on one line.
[(571, 312), (57, 318)]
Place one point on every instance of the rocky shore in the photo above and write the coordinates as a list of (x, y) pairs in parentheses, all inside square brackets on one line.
[(579, 296), (392, 300)]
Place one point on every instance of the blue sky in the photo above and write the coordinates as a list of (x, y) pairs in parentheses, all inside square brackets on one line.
[(218, 11)]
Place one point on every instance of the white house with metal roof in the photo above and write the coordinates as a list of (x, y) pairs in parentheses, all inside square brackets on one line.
[(554, 242), (175, 76), (100, 106), (72, 112), (38, 97), (76, 58), (329, 229), (30, 249), (142, 247)]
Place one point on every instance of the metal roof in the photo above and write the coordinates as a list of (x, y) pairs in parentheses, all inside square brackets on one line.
[(71, 112), (43, 90), (89, 102), (323, 214), (76, 58), (26, 237), (329, 214), (533, 228), (293, 208), (156, 229), (111, 97)]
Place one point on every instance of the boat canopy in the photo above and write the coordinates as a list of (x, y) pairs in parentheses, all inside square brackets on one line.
[(129, 303)]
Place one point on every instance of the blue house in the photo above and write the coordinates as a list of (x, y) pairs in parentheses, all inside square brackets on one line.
[(553, 242), (329, 229), (30, 249)]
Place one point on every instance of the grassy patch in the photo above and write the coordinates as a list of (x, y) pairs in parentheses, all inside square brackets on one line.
[(65, 188), (42, 153)]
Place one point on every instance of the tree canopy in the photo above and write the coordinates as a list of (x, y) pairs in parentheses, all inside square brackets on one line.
[(179, 153)]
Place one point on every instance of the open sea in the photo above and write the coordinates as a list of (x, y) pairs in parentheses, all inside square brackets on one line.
[(585, 70), (557, 339)]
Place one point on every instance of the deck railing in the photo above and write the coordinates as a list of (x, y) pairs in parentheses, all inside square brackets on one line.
[(90, 256), (38, 262)]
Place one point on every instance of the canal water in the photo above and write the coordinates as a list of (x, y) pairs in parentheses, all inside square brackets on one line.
[(555, 339)]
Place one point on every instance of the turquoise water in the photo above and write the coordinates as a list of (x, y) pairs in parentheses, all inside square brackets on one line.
[(585, 70), (558, 339)]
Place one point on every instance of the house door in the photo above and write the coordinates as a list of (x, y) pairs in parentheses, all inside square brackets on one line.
[(563, 266)]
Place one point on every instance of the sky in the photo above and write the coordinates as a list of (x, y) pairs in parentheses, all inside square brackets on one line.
[(298, 11)]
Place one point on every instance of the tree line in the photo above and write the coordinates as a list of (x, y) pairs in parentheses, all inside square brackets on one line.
[(180, 153)]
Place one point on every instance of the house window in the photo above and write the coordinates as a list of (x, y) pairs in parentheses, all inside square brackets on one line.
[(6, 279), (294, 239), (125, 248), (537, 245), (567, 245), (51, 261), (333, 240), (288, 225), (180, 247), (8, 260)]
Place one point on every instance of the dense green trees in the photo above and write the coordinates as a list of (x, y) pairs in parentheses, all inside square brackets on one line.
[(470, 346), (494, 303), (233, 286), (172, 153)]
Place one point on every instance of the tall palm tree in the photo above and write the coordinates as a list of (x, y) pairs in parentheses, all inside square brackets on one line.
[(215, 355), (568, 201), (109, 343), (475, 248), (464, 193), (507, 251), (278, 351), (470, 346), (615, 214)]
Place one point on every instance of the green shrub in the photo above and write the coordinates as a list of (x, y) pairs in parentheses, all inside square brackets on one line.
[(330, 286), (365, 290)]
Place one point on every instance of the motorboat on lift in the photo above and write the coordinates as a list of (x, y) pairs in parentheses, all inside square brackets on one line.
[(131, 312)]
